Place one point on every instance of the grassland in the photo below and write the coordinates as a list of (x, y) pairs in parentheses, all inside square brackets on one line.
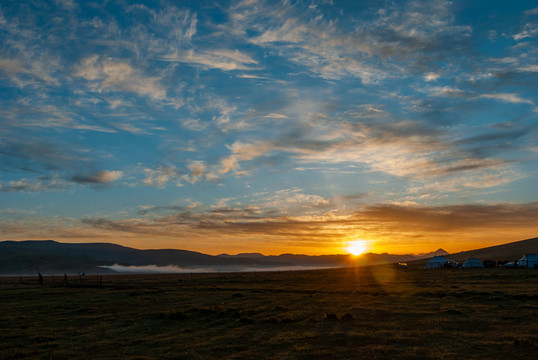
[(354, 313)]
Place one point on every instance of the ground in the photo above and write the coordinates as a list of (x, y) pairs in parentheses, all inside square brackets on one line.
[(366, 312)]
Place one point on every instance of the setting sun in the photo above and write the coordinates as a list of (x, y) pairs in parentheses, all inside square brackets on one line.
[(357, 247)]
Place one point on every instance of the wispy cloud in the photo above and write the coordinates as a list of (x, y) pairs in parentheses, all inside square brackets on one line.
[(56, 182), (34, 155), (15, 70), (531, 12), (38, 115), (403, 149), (39, 184), (276, 116), (529, 30), (418, 32), (507, 97), (117, 75), (223, 59), (162, 175)]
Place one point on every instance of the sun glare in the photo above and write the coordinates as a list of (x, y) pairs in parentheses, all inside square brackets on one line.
[(356, 247)]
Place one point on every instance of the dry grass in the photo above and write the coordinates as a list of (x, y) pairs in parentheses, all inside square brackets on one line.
[(379, 313)]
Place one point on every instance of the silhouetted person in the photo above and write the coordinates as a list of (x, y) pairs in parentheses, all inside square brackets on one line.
[(40, 278)]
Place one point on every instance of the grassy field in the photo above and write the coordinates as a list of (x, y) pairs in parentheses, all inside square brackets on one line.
[(374, 313)]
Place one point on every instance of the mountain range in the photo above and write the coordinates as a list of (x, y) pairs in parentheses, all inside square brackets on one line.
[(52, 257)]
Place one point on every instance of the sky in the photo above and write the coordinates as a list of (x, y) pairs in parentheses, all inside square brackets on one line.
[(273, 127)]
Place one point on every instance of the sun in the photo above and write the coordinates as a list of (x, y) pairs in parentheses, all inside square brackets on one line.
[(357, 247)]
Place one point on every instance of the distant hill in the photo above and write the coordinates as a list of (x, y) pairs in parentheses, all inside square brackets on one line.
[(48, 256), (438, 252), (505, 252), (510, 251), (333, 260), (255, 255)]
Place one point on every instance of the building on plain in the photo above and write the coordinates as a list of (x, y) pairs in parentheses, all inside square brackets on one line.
[(436, 262), (528, 261), (473, 263)]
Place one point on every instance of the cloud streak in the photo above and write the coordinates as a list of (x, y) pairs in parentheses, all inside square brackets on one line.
[(98, 178), (456, 223), (222, 59)]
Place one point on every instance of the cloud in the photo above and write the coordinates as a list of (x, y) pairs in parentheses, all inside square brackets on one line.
[(196, 171), (291, 201), (228, 118), (275, 116), (502, 138), (250, 76), (222, 59), (301, 41), (507, 97), (445, 91), (101, 177), (176, 26), (28, 113), (160, 209), (194, 124), (431, 76), (119, 76), (14, 68), (408, 149), (26, 59), (162, 175), (389, 224), (529, 30), (464, 182), (66, 4), (453, 218), (528, 68), (33, 154), (531, 12), (416, 35), (401, 148), (272, 225), (38, 184), (241, 152)]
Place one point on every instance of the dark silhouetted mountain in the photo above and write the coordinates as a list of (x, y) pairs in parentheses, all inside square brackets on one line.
[(510, 251), (32, 256), (48, 256), (244, 255), (438, 252)]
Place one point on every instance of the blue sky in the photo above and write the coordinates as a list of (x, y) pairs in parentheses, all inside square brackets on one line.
[(295, 126)]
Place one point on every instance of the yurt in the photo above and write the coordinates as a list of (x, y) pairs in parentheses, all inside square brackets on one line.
[(528, 261), (473, 263), (436, 262)]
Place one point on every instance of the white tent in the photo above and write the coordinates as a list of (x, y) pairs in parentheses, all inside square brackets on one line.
[(473, 263), (528, 261), (436, 262)]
